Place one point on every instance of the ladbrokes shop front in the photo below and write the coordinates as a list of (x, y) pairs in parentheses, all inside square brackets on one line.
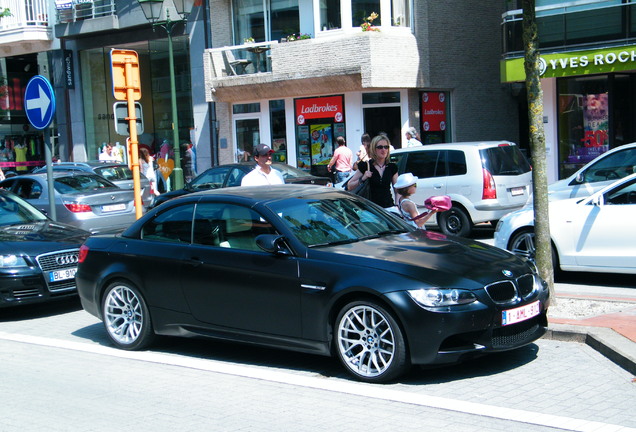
[(589, 103)]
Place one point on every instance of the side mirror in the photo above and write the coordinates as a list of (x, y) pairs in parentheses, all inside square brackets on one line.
[(580, 178), (272, 243), (597, 200)]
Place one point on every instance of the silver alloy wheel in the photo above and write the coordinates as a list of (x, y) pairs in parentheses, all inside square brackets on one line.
[(523, 245), (123, 315), (366, 341)]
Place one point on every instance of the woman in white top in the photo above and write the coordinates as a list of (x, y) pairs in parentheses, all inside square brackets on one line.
[(405, 187)]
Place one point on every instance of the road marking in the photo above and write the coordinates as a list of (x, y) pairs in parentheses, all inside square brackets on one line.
[(335, 385)]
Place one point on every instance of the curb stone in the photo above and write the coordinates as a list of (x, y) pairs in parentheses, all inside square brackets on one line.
[(606, 341)]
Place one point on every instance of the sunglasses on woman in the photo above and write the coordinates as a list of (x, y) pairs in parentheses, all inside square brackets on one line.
[(382, 147)]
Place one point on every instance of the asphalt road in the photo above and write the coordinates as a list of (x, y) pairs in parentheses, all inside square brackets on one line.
[(60, 373)]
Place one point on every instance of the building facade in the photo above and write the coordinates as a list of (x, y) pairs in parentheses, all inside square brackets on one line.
[(588, 76), (26, 47), (294, 74), (297, 74), (69, 42)]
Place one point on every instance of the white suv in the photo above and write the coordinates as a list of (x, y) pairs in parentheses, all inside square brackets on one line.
[(485, 180)]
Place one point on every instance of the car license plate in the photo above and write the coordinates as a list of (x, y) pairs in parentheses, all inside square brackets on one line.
[(517, 191), (113, 207), (512, 316), (59, 275)]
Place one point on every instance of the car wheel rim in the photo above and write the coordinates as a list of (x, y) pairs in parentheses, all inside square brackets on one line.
[(523, 245), (454, 223), (123, 315), (366, 341)]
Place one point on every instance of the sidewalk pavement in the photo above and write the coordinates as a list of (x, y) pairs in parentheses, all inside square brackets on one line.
[(602, 317)]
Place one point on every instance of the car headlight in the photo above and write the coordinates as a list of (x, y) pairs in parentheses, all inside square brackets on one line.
[(7, 261), (437, 297)]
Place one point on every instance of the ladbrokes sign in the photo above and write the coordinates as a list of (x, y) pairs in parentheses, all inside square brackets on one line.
[(329, 107)]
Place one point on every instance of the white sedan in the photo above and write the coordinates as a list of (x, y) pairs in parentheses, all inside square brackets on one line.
[(592, 234)]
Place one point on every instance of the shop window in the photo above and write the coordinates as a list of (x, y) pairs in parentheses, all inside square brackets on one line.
[(584, 118), (381, 98), (400, 13), (361, 9), (265, 20), (279, 130), (434, 117), (246, 108), (330, 15)]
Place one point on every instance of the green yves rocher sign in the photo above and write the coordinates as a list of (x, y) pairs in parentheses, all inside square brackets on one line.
[(599, 61)]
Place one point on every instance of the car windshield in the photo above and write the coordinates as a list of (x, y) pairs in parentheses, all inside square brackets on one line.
[(14, 211), (81, 183), (331, 221), (115, 173), (289, 171)]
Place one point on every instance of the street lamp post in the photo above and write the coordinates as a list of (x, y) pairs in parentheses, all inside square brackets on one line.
[(153, 11)]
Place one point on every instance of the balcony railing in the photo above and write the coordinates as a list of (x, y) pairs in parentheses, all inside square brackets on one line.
[(246, 59), (69, 11), (33, 13), (571, 24)]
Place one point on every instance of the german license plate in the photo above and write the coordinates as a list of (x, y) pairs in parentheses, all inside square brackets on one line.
[(517, 191), (512, 316), (59, 275), (113, 207)]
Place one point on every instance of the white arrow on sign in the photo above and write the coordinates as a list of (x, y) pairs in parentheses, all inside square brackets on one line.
[(42, 103)]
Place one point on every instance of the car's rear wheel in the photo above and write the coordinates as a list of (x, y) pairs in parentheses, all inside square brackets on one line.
[(126, 317), (455, 222), (369, 342)]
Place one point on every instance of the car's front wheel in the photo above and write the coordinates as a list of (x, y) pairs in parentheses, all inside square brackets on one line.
[(522, 244), (126, 317), (369, 342), (455, 222)]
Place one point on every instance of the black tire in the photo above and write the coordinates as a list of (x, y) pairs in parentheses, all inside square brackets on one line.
[(369, 342), (455, 222), (126, 317), (522, 244)]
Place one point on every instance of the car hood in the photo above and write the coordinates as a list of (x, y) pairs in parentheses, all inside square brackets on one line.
[(430, 256), (40, 237)]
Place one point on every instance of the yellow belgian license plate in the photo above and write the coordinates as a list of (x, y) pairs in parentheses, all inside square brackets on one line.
[(513, 316)]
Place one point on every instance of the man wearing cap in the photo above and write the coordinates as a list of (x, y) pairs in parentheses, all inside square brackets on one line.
[(411, 138), (263, 174)]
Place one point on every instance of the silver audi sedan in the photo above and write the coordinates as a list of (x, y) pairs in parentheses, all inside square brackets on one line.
[(87, 201)]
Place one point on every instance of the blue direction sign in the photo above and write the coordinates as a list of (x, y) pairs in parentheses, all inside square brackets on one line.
[(39, 102)]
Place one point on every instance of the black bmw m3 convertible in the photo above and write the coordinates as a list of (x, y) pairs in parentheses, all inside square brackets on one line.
[(312, 269)]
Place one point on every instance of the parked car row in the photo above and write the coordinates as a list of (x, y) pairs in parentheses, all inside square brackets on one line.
[(299, 266)]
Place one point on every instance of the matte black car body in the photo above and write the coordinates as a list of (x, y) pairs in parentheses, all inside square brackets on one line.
[(230, 175), (292, 296), (44, 245)]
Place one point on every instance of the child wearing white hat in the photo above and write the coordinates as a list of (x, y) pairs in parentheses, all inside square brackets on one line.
[(405, 187)]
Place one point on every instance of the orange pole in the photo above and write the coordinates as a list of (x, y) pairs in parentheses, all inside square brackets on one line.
[(134, 144)]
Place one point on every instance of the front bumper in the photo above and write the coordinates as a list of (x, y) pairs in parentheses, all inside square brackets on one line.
[(28, 287), (447, 335)]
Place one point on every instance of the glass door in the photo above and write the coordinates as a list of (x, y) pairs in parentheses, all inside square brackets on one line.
[(248, 136)]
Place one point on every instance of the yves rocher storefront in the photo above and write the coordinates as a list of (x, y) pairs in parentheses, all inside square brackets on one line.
[(589, 103)]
